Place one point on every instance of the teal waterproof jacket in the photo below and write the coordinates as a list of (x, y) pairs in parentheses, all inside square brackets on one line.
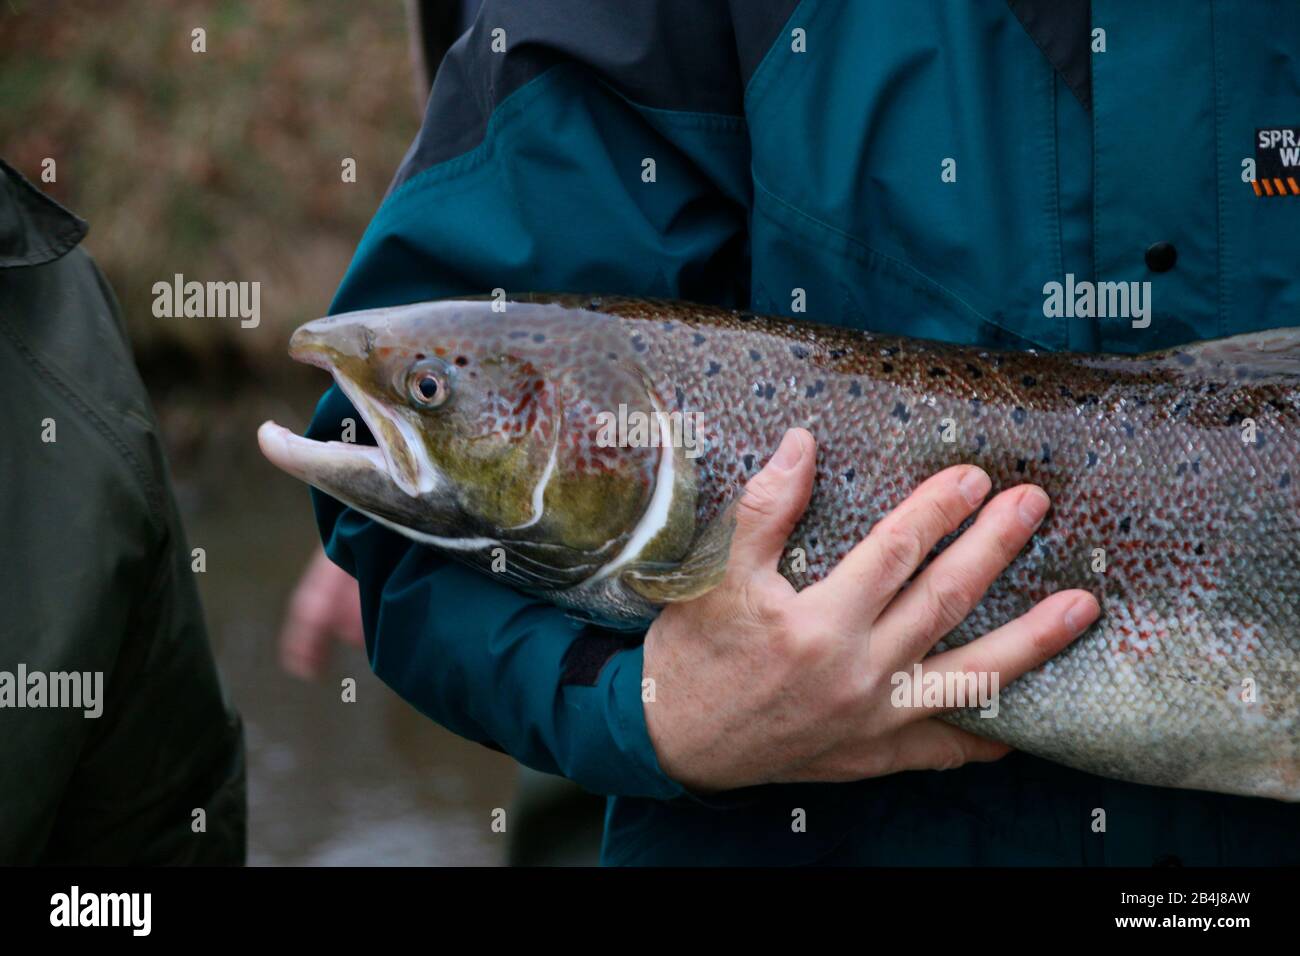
[(923, 168)]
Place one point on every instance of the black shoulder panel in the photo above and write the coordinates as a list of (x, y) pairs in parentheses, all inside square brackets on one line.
[(756, 24), (1063, 31), (666, 54)]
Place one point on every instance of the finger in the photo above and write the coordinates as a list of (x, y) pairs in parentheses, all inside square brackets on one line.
[(305, 638), (772, 504), (348, 624), (870, 575), (934, 745), (950, 587), (1023, 644), (313, 610)]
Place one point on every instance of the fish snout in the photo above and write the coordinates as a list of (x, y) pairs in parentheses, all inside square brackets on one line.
[(325, 342)]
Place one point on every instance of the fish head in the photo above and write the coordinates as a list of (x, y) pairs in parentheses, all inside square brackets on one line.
[(491, 428)]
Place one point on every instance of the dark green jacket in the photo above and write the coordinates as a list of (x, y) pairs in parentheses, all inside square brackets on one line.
[(95, 577), (800, 148)]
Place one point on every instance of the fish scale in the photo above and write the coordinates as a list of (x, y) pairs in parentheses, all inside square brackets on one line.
[(1200, 589)]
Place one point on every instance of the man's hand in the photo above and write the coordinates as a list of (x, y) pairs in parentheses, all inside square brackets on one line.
[(326, 606), (757, 683)]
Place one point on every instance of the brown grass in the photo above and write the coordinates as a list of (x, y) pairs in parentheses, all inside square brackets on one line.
[(223, 165)]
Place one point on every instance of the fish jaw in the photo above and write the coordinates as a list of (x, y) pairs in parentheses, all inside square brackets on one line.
[(341, 345), (335, 467), (394, 481)]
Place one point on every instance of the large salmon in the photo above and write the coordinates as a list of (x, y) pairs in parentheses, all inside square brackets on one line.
[(586, 449)]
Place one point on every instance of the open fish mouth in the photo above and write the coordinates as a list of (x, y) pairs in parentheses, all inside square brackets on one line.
[(399, 453), (308, 459)]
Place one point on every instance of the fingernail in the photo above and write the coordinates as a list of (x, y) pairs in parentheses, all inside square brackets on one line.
[(789, 453), (1033, 506), (1079, 615), (975, 484)]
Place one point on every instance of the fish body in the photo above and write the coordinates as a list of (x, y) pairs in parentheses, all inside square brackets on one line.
[(1172, 475)]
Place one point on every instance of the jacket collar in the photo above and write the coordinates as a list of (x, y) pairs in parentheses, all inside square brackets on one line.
[(34, 229)]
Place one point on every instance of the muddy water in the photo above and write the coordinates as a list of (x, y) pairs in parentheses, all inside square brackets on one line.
[(330, 783)]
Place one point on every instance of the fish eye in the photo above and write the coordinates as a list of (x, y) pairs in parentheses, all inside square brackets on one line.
[(426, 385)]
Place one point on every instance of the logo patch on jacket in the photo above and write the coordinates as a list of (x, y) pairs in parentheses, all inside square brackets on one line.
[(1277, 161)]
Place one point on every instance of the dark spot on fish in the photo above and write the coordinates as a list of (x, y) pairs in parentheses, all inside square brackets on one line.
[(1047, 454), (1018, 415), (1021, 465), (1182, 468), (1199, 549), (889, 350), (769, 391), (799, 351), (749, 462), (838, 353), (1092, 458), (1029, 381), (810, 391), (1128, 429), (937, 372), (462, 361), (975, 405), (714, 368), (638, 343), (1180, 407), (1260, 441), (980, 442), (1065, 392), (974, 372), (1196, 467), (681, 397), (698, 339), (753, 354), (539, 337), (1091, 400), (1125, 523), (1236, 417), (1182, 358), (812, 542), (900, 412), (886, 367), (850, 474), (855, 389), (1285, 480)]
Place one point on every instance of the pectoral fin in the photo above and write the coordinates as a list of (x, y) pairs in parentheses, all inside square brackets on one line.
[(698, 573)]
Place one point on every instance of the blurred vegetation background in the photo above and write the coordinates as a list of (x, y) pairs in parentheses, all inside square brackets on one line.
[(227, 166), (224, 165)]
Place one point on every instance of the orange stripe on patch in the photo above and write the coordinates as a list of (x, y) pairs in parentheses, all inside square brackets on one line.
[(1268, 188), (1281, 190), (1255, 186), (1295, 189)]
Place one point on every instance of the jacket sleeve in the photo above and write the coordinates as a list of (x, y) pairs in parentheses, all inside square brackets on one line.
[(595, 159)]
